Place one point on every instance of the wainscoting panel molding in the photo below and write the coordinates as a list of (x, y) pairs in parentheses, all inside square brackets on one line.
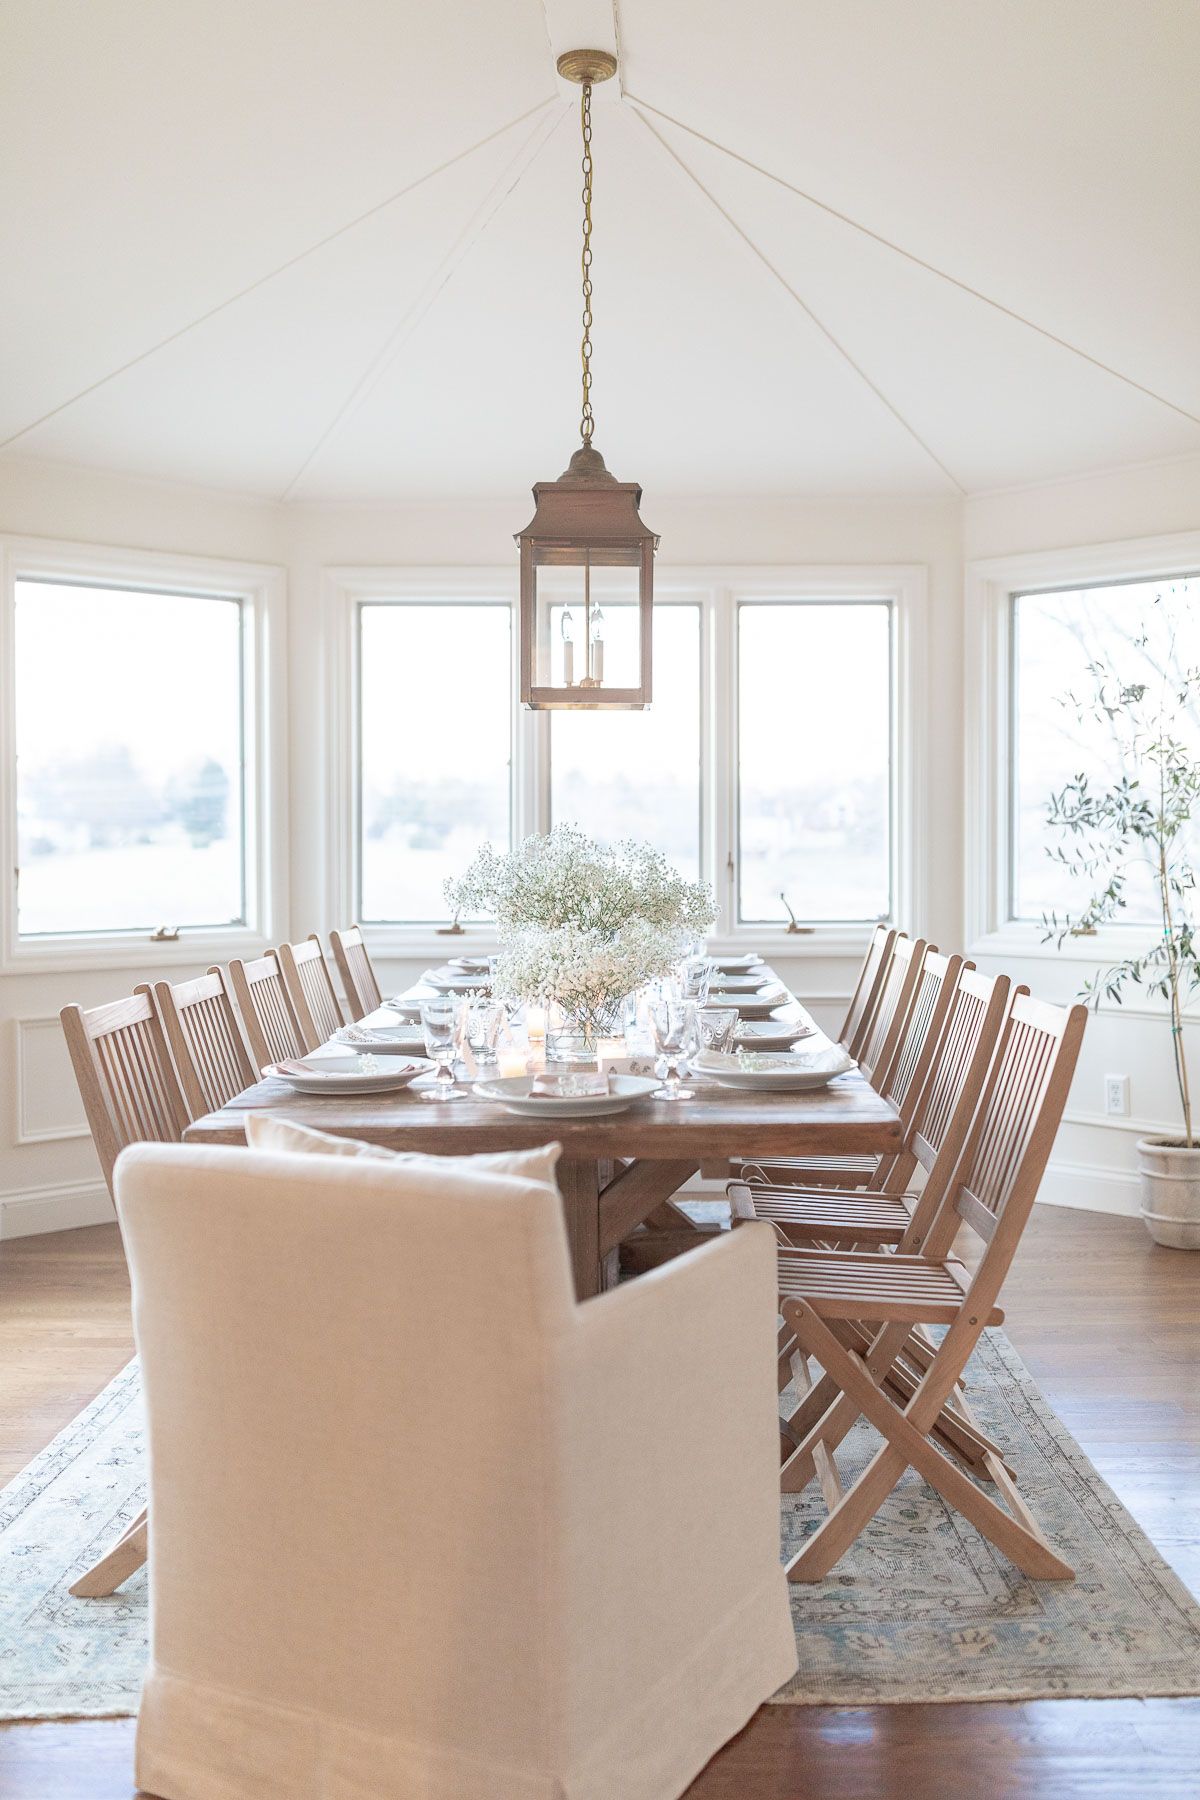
[(48, 1107)]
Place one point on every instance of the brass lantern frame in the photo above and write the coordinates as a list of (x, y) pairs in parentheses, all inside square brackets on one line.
[(589, 519)]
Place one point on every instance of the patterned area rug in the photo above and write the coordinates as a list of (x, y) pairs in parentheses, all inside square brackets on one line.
[(922, 1608)]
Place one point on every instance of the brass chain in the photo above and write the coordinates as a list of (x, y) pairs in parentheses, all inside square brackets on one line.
[(587, 423)]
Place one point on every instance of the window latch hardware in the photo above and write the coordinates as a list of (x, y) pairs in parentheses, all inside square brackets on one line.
[(165, 934), (793, 927), (455, 930)]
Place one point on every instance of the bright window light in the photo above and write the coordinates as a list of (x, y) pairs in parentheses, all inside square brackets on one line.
[(130, 769), (435, 724), (1144, 630), (637, 774), (814, 760)]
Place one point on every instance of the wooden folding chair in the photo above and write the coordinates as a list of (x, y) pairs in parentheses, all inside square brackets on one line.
[(127, 1081), (882, 1035), (866, 989), (131, 1095), (353, 961), (206, 1041), (899, 1081), (885, 1215), (266, 1012), (310, 990), (825, 1293)]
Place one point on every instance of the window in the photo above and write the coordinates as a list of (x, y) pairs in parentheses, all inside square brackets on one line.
[(780, 752), (814, 760), (1144, 630), (637, 774), (131, 802), (435, 748)]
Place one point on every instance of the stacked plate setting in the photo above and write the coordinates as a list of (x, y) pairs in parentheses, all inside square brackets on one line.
[(349, 1074)]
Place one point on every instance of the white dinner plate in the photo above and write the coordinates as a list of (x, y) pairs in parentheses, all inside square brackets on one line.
[(469, 965), (453, 981), (740, 982), (770, 1034), (404, 1009), (347, 1075), (787, 1070), (738, 965), (512, 1092), (752, 1006), (381, 1040)]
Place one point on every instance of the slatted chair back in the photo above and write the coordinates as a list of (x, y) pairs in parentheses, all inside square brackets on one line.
[(310, 989), (903, 1079), (1012, 1135), (267, 1017), (866, 988), (353, 961), (127, 1081), (949, 1094), (889, 1017), (206, 1041)]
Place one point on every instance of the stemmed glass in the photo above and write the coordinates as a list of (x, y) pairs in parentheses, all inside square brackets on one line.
[(673, 1026), (441, 1021)]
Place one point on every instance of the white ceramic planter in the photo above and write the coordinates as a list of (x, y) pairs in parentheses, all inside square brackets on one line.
[(1170, 1192)]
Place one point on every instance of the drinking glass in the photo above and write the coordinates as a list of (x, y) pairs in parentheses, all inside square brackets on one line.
[(694, 975), (716, 1027), (441, 1021), (484, 1019), (673, 1026)]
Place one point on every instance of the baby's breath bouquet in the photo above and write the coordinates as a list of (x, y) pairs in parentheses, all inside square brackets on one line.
[(582, 925)]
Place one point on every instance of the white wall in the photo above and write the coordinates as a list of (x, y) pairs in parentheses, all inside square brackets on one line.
[(48, 1174)]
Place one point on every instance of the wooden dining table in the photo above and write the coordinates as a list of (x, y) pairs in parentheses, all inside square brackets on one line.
[(617, 1172)]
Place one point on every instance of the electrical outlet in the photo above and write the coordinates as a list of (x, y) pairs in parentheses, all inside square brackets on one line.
[(1116, 1096)]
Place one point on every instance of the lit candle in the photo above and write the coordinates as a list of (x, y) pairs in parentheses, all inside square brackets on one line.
[(535, 1023), (608, 1052), (597, 646), (512, 1060)]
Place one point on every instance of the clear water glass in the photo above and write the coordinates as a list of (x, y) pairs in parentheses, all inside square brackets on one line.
[(717, 1025), (441, 1022), (484, 1021), (674, 1028), (696, 977)]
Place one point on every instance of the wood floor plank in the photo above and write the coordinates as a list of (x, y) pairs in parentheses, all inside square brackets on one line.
[(1083, 1283)]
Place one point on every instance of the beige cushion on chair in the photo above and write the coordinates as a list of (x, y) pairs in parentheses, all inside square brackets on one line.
[(422, 1527), (265, 1132)]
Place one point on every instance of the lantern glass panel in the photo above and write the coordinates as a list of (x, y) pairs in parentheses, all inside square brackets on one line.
[(586, 617)]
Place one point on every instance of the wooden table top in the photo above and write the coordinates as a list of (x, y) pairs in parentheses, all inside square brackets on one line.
[(848, 1117)]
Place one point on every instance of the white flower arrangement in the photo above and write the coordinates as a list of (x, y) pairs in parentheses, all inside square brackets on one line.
[(582, 925)]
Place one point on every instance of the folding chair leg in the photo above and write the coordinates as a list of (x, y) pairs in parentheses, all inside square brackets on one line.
[(905, 1446), (117, 1564)]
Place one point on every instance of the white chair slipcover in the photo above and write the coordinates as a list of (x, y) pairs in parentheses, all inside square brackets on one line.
[(422, 1525)]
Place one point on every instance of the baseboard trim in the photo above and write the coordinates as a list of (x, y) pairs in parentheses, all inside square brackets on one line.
[(60, 1206), (1090, 1188)]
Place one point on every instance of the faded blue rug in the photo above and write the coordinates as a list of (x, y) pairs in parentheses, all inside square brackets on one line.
[(920, 1609)]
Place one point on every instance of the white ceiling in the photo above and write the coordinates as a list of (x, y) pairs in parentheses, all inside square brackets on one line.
[(161, 159)]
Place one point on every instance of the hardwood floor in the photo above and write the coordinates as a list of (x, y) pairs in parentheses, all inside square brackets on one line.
[(1110, 1327)]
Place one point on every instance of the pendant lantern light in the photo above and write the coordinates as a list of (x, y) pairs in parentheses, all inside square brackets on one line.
[(587, 561)]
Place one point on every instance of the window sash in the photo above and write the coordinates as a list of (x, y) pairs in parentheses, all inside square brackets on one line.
[(718, 594), (258, 590)]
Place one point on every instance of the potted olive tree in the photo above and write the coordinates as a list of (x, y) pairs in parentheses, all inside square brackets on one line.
[(1143, 817)]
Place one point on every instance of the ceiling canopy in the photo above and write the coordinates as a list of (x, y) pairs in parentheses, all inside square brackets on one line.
[(331, 253)]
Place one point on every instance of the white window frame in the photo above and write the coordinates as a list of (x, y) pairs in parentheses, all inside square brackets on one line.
[(991, 584), (717, 592), (262, 590)]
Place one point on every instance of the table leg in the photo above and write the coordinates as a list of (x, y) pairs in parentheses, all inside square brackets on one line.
[(579, 1185)]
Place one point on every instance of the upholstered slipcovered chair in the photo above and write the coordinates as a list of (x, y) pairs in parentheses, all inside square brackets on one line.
[(421, 1524)]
